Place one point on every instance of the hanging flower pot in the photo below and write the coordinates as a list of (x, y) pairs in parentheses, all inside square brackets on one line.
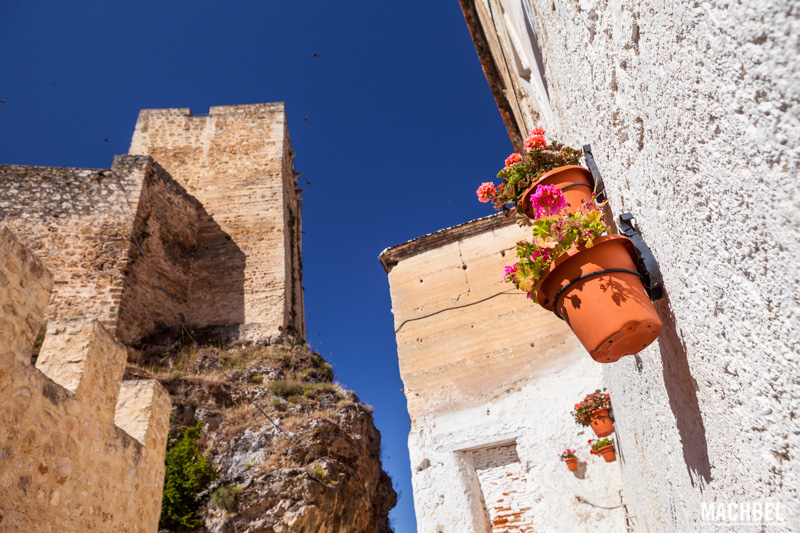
[(601, 422), (605, 448), (574, 181), (568, 456), (571, 265), (598, 292), (593, 411), (539, 163), (608, 453)]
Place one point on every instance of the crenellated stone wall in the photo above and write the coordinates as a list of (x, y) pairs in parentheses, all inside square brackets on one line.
[(238, 162), (79, 449)]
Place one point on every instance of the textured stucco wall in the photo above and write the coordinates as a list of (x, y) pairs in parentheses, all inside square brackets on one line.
[(693, 113), (502, 370), (79, 449), (238, 162)]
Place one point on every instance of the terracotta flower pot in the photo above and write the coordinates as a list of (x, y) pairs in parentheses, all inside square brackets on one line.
[(572, 463), (601, 423), (608, 453), (609, 312), (575, 181)]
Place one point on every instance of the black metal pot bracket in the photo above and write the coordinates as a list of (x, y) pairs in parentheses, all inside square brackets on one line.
[(599, 188), (647, 266)]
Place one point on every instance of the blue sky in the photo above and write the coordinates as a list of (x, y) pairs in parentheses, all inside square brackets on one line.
[(401, 130)]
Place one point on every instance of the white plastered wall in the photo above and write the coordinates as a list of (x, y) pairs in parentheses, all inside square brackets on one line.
[(693, 112)]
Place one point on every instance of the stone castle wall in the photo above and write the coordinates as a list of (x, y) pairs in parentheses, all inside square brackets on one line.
[(78, 222), (167, 227), (693, 113), (79, 449), (493, 378), (237, 162)]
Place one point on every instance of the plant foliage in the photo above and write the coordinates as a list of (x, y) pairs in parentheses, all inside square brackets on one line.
[(187, 475), (596, 400), (522, 170), (600, 443)]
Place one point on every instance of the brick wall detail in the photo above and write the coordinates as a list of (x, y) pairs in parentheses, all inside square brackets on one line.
[(504, 489)]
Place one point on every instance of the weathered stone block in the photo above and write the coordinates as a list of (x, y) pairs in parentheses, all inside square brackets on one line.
[(65, 465)]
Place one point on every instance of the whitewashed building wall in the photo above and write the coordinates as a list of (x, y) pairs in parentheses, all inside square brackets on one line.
[(692, 108)]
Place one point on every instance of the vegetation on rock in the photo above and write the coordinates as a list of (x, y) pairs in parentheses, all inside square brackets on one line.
[(187, 475), (317, 467)]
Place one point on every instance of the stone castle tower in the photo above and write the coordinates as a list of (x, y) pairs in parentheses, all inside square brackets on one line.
[(237, 162), (214, 205)]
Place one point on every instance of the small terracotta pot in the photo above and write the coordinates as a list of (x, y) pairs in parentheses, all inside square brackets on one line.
[(572, 463), (601, 422), (610, 313), (608, 453), (577, 179)]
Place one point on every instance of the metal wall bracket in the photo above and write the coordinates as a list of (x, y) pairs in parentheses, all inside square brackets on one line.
[(599, 188), (647, 265)]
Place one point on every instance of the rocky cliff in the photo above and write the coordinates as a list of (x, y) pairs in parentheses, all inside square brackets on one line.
[(317, 469)]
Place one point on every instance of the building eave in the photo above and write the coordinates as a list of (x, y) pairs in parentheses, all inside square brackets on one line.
[(391, 256), (491, 71)]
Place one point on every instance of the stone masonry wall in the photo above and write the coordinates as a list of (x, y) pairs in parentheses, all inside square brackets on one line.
[(484, 376), (77, 223), (504, 488), (167, 228), (237, 162), (693, 112), (79, 451)]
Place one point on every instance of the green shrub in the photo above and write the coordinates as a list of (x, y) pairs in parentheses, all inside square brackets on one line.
[(226, 496), (276, 404), (187, 474), (323, 373), (319, 472), (285, 389)]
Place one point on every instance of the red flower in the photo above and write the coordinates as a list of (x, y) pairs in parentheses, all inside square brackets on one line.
[(535, 139), (513, 158), (486, 191)]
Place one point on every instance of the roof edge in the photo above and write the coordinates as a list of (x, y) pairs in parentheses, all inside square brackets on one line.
[(391, 256), (490, 70)]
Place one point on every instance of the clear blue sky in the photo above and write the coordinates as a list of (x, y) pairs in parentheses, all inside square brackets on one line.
[(401, 130)]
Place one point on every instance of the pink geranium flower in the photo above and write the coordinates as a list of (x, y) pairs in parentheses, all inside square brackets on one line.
[(512, 270), (547, 200), (512, 159), (535, 139), (543, 254), (486, 192)]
